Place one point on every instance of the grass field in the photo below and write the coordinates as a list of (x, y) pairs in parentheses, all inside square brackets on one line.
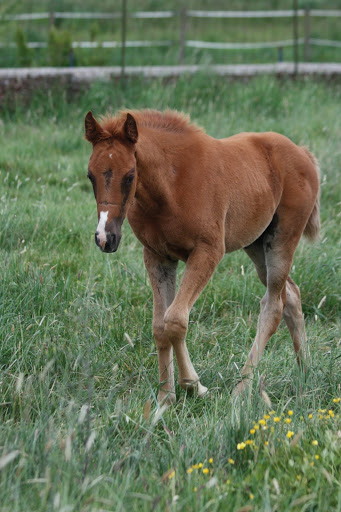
[(211, 30), (78, 423)]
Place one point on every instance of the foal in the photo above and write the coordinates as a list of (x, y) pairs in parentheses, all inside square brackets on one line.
[(190, 197)]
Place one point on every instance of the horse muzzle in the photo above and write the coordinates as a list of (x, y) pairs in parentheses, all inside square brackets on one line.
[(110, 244)]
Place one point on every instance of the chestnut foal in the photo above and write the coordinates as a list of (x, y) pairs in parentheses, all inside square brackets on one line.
[(190, 197)]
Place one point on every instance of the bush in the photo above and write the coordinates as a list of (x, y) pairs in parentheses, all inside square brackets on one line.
[(23, 51), (59, 47)]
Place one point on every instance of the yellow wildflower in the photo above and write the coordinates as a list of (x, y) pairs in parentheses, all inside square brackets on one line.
[(205, 471), (336, 400), (252, 431), (195, 489), (189, 471), (298, 477), (331, 413), (272, 412), (171, 474), (266, 417), (195, 466), (277, 419), (315, 443), (310, 416), (230, 461), (290, 413), (210, 460), (251, 496), (200, 465), (227, 482), (290, 433), (262, 422), (241, 446), (322, 411), (249, 441), (287, 420), (266, 443), (256, 427), (312, 464), (320, 417), (317, 457)]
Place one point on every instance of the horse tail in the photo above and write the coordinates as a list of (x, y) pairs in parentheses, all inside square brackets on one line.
[(312, 229)]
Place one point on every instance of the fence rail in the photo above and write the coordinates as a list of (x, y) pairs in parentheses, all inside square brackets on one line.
[(289, 13)]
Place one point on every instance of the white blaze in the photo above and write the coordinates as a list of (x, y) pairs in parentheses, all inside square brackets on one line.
[(101, 233)]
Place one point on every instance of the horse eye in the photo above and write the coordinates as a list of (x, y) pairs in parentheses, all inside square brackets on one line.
[(130, 179)]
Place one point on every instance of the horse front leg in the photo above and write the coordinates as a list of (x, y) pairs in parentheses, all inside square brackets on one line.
[(199, 268), (162, 275)]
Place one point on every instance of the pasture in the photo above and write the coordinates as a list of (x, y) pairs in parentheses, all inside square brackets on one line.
[(79, 427)]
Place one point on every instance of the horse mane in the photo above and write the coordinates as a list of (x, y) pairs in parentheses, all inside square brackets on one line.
[(168, 120)]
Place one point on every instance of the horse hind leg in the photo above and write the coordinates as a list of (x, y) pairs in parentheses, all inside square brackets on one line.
[(292, 311), (293, 316), (278, 245)]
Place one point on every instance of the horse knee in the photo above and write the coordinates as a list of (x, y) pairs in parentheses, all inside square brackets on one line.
[(176, 323)]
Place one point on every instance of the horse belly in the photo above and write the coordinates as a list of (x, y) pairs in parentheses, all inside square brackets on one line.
[(244, 226)]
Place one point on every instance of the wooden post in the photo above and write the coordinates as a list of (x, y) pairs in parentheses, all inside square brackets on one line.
[(307, 34), (52, 19), (182, 35), (124, 35), (295, 35)]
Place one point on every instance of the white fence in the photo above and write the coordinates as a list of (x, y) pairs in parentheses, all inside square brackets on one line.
[(184, 14)]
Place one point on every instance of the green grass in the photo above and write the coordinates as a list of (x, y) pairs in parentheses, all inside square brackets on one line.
[(75, 395), (211, 30)]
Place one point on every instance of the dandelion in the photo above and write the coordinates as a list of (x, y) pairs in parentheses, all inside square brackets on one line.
[(336, 400), (272, 413), (210, 460), (277, 419), (249, 442), (230, 461), (315, 443), (317, 457), (266, 417), (310, 416), (287, 420), (171, 475), (251, 496), (256, 427), (241, 446), (200, 465), (189, 471), (331, 413), (262, 422), (322, 411), (252, 431), (290, 413), (205, 471), (266, 443), (290, 433), (312, 464)]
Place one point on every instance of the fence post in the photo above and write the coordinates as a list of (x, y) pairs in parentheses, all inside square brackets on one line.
[(52, 18), (183, 21), (124, 34), (307, 34), (295, 35)]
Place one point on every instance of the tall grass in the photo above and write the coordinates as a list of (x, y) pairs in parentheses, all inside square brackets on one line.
[(79, 429)]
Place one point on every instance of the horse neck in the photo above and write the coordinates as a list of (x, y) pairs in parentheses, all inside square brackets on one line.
[(157, 159)]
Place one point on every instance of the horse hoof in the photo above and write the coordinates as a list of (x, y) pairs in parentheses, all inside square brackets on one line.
[(166, 398), (240, 390)]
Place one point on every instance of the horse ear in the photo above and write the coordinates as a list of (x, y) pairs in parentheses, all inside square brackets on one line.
[(93, 130), (130, 129)]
